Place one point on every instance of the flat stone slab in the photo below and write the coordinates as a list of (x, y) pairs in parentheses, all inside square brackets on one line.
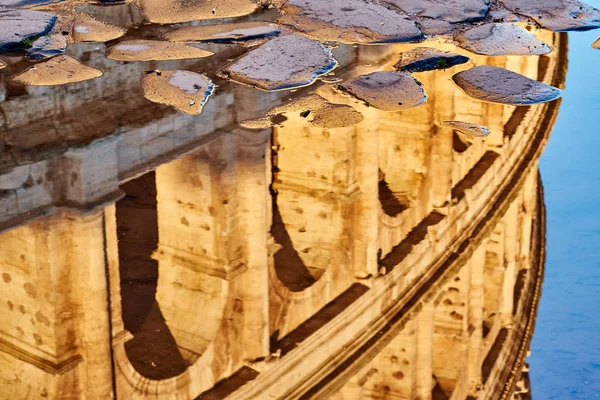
[(58, 70), (557, 15), (501, 39), (467, 128), (349, 21), (450, 11), (151, 50), (184, 90), (224, 33), (285, 62), (386, 91), (19, 25), (314, 109), (422, 59), (173, 11), (88, 29), (499, 85), (46, 47)]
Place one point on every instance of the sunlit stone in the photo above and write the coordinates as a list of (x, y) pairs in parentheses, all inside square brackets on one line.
[(172, 11), (88, 29), (501, 39), (2, 64), (596, 44), (224, 32), (184, 90), (469, 129), (315, 109), (427, 59), (499, 85), (285, 62), (18, 25), (386, 91), (451, 11), (557, 15), (47, 46), (147, 50), (349, 21), (57, 71)]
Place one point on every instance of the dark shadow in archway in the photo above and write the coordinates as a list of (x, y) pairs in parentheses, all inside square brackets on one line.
[(289, 267), (153, 351), (390, 204)]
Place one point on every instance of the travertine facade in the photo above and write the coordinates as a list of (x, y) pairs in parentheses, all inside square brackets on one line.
[(185, 258)]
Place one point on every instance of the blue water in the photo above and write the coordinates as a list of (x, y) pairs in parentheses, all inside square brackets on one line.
[(565, 352)]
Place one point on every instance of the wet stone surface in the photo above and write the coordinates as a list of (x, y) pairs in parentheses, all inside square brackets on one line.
[(149, 50), (173, 11), (427, 59), (47, 46), (386, 91), (466, 128), (88, 29), (57, 71), (349, 21), (224, 33), (184, 90), (314, 109), (18, 26), (499, 85), (557, 15), (450, 11), (285, 62), (501, 39)]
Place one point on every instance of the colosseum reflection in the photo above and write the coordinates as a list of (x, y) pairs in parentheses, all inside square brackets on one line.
[(148, 254)]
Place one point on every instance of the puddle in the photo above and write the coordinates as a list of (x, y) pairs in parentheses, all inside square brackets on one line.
[(312, 199)]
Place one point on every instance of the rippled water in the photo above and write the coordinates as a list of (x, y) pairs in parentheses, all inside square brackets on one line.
[(277, 216)]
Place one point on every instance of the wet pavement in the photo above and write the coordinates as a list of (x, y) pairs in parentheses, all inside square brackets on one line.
[(275, 199)]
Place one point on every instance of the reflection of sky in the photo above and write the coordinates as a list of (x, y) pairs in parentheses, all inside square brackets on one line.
[(565, 359)]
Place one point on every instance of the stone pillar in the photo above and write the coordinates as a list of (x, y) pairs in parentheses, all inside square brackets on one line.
[(56, 320), (476, 304), (511, 250), (424, 367), (212, 285)]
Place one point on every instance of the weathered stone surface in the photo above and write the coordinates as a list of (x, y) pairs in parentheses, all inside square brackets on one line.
[(503, 15), (315, 109), (499, 85), (558, 15), (386, 91), (451, 11), (18, 25), (469, 129), (172, 11), (57, 71), (349, 21), (184, 90), (285, 62), (422, 59), (501, 39), (148, 50), (47, 46), (88, 29), (224, 33)]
